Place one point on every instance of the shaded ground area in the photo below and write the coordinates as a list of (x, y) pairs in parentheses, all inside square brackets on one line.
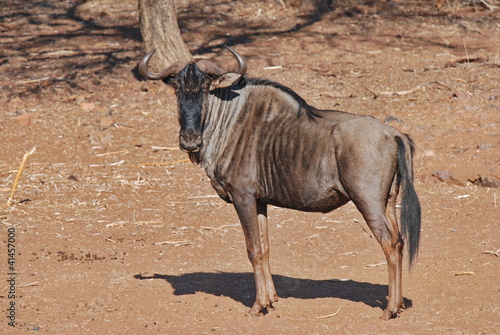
[(116, 233)]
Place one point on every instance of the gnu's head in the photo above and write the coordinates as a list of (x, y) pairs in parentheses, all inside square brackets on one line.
[(191, 81)]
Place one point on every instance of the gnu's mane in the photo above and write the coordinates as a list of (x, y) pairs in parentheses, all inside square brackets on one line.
[(310, 111)]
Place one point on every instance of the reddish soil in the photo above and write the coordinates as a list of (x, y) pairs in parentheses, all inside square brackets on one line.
[(115, 235)]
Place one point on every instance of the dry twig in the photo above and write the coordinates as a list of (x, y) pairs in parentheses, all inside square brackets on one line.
[(18, 176), (405, 92), (174, 243), (117, 223), (492, 252), (31, 81), (329, 315), (374, 265), (112, 153), (487, 5), (154, 147), (277, 67), (223, 226), (465, 273), (35, 283)]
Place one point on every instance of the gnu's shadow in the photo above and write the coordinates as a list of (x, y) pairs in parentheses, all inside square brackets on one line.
[(240, 287)]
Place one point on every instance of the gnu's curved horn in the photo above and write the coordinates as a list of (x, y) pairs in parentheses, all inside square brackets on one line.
[(242, 64), (210, 68), (172, 70)]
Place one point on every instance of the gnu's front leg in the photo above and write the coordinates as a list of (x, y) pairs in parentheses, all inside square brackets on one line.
[(248, 212), (264, 240)]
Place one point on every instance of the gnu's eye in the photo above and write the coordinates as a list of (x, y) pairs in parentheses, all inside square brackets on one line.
[(205, 86), (173, 83)]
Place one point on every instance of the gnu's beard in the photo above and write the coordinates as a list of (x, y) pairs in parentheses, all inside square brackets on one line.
[(194, 157)]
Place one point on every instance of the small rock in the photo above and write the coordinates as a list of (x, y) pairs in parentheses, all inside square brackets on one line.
[(461, 150), (223, 8), (441, 175), (106, 139), (428, 153), (486, 181), (24, 119), (482, 146), (447, 177), (461, 95), (16, 103), (207, 10), (494, 94), (87, 106), (106, 122), (425, 178)]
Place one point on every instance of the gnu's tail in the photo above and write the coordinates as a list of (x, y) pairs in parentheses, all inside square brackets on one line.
[(410, 205)]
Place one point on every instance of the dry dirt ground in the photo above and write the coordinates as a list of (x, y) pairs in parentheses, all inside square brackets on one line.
[(115, 233)]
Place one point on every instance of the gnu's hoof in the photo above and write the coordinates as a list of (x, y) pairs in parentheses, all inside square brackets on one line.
[(260, 309), (390, 313)]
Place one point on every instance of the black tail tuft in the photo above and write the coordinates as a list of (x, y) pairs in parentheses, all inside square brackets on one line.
[(410, 205)]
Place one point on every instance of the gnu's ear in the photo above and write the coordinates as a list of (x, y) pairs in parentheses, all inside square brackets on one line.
[(226, 80)]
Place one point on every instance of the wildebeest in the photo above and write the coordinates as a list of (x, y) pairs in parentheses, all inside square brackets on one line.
[(261, 144)]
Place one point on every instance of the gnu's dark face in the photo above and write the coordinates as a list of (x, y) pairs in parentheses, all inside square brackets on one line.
[(191, 85), (192, 82)]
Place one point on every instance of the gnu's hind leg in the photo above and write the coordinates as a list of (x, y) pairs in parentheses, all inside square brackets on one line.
[(397, 300), (368, 175), (387, 234)]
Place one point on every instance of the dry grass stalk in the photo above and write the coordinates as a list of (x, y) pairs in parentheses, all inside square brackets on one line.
[(31, 81), (18, 176), (467, 204), (24, 285), (374, 265), (203, 196), (117, 223), (488, 6), (117, 163), (112, 153), (147, 222), (154, 147), (329, 315), (166, 163), (223, 226), (277, 67), (174, 243)]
